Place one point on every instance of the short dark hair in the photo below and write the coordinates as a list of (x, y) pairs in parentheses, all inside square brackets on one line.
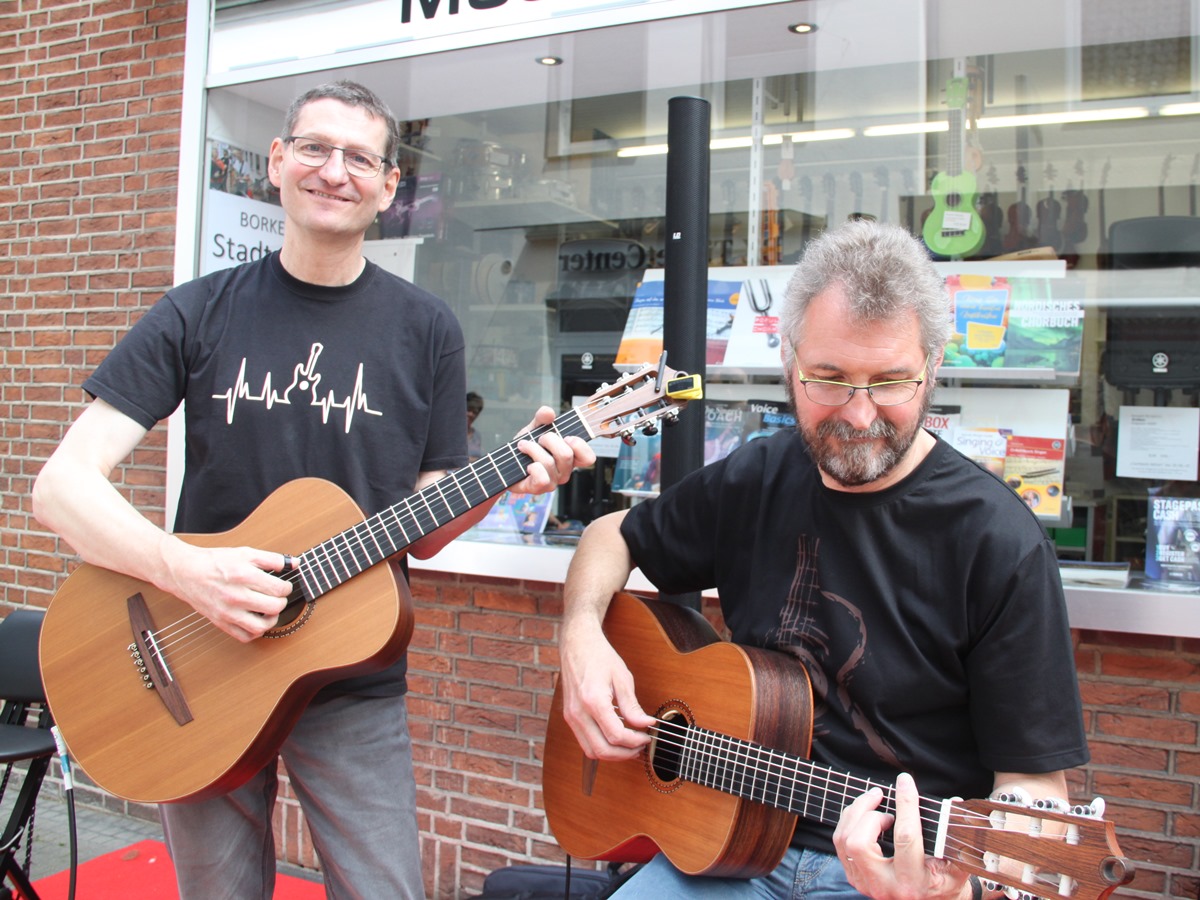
[(475, 402), (352, 94)]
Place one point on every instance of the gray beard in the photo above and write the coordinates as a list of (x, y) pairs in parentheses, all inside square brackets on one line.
[(856, 465)]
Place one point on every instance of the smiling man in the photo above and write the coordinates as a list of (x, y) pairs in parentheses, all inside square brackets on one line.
[(362, 379), (918, 591)]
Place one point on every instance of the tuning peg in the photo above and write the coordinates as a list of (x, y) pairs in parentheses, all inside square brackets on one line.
[(1094, 810), (1053, 804), (650, 430), (627, 438), (1016, 796)]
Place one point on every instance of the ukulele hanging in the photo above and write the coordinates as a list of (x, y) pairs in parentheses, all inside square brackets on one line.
[(953, 228)]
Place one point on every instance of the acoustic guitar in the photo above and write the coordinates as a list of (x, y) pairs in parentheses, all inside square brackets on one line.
[(157, 704), (726, 774)]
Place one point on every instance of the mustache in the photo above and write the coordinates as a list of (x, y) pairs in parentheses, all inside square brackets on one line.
[(842, 431)]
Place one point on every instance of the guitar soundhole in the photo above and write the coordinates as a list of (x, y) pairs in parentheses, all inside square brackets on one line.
[(294, 615), (665, 756)]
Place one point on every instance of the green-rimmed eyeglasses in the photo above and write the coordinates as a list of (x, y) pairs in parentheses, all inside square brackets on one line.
[(839, 393), (311, 152)]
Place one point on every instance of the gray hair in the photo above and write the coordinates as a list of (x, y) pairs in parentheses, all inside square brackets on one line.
[(885, 273), (352, 94)]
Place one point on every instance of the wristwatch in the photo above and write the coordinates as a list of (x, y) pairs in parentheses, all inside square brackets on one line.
[(976, 887)]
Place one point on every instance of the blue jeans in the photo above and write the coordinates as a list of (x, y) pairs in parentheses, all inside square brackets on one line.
[(350, 763), (801, 875)]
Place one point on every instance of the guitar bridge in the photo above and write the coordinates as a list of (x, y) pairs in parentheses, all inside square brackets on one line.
[(150, 662)]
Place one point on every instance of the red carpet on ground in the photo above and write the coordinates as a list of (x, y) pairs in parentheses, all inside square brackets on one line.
[(145, 870)]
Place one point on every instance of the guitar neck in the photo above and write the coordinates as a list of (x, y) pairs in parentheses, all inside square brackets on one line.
[(957, 142), (350, 552), (780, 780), (1086, 862), (754, 772)]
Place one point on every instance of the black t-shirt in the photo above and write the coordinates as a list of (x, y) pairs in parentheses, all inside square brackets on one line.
[(929, 616), (361, 385)]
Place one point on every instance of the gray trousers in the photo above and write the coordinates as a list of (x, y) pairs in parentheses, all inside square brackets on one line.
[(350, 763)]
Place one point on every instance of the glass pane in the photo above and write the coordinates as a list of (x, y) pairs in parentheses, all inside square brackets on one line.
[(533, 201)]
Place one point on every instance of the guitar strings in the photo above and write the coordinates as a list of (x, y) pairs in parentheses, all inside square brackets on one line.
[(666, 734), (191, 634), (194, 634)]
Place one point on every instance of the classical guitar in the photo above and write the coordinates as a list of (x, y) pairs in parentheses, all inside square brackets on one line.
[(1020, 216), (1102, 251), (992, 217), (156, 704), (720, 786), (954, 229), (1048, 212)]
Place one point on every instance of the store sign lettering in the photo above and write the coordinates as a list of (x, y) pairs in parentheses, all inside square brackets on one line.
[(632, 256), (430, 8)]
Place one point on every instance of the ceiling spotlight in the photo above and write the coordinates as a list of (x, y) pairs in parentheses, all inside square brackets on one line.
[(549, 61), (802, 28)]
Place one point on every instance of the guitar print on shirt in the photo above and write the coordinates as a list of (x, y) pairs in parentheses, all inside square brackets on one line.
[(305, 377), (800, 635)]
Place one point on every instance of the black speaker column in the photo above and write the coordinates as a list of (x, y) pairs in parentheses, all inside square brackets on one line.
[(685, 279)]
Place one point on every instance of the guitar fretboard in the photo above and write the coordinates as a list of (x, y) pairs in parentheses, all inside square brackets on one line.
[(781, 780), (353, 551), (757, 773)]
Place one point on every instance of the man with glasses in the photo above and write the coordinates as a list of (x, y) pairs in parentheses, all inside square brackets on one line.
[(920, 594), (309, 362)]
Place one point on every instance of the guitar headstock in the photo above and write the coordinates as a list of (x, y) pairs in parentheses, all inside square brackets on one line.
[(1052, 850), (638, 400)]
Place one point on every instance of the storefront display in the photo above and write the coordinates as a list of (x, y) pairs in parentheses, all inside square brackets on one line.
[(533, 191)]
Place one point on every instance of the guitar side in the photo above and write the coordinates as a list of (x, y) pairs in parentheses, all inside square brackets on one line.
[(624, 810), (243, 698)]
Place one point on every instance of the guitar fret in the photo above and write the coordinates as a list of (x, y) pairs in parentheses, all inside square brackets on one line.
[(305, 569), (346, 556), (320, 561), (359, 550), (399, 524), (378, 519), (467, 504), (374, 540)]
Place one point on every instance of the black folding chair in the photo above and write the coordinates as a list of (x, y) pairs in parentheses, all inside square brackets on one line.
[(24, 738)]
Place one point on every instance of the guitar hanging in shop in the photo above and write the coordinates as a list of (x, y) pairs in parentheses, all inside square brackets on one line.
[(953, 228), (1048, 212), (720, 786), (158, 705), (1102, 251), (1020, 217), (1075, 227), (992, 217)]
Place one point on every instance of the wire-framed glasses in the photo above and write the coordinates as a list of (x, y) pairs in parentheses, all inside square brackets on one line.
[(312, 152), (839, 393)]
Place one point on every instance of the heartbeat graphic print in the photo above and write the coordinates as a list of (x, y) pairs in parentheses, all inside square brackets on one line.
[(304, 383)]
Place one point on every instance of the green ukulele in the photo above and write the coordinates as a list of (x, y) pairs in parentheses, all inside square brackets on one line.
[(954, 228)]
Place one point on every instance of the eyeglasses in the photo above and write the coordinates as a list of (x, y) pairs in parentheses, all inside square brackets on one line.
[(311, 152), (839, 393)]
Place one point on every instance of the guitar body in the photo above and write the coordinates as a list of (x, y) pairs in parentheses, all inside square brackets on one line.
[(626, 811), (953, 228), (243, 698)]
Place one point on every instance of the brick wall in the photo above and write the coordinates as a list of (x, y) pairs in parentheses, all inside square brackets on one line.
[(483, 663), (1142, 709), (89, 151)]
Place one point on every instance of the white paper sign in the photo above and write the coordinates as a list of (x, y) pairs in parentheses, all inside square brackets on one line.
[(1161, 442), (238, 229)]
